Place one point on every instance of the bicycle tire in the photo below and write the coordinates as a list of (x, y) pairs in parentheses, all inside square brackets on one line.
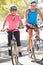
[(14, 53), (37, 49), (12, 59)]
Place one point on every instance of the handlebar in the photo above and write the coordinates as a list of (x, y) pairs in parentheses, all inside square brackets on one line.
[(34, 26), (20, 27)]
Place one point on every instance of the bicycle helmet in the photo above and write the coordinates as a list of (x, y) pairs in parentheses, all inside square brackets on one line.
[(13, 8)]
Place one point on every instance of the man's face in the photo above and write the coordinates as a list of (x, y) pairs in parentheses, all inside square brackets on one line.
[(33, 6), (13, 12)]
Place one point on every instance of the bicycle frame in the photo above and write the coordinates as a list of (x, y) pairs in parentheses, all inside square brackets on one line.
[(33, 39)]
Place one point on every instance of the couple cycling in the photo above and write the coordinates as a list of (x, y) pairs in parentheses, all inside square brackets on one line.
[(14, 20)]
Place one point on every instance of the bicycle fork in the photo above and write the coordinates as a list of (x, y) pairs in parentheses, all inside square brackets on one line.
[(33, 51)]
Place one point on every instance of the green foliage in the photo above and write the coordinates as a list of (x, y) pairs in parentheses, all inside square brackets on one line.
[(21, 5)]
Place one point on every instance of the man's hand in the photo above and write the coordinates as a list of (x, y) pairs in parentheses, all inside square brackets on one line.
[(30, 25)]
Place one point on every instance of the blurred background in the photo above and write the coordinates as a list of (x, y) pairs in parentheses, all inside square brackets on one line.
[(22, 5)]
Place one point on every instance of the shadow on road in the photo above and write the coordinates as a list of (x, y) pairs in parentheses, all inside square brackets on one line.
[(2, 60), (38, 61)]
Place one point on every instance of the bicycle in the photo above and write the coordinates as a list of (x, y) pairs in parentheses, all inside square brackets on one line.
[(14, 43), (14, 55), (36, 43)]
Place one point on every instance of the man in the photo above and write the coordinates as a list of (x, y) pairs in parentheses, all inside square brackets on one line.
[(13, 20), (31, 20)]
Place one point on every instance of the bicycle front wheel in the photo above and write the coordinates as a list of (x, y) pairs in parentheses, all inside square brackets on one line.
[(12, 55), (38, 49)]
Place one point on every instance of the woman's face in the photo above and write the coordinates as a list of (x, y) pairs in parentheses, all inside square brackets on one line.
[(13, 12)]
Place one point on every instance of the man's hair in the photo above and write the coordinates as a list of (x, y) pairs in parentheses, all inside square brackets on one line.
[(33, 2)]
